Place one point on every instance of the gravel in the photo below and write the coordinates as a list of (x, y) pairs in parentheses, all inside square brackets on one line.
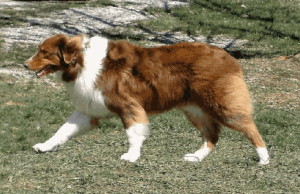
[(87, 19), (95, 20)]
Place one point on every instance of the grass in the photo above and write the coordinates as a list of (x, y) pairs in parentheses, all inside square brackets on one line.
[(91, 162), (11, 16), (271, 26), (33, 109)]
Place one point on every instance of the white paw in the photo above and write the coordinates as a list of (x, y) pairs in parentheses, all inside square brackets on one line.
[(130, 156), (263, 155), (264, 162), (191, 158), (198, 156), (45, 147)]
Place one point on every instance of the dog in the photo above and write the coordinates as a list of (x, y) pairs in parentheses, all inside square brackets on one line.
[(105, 78)]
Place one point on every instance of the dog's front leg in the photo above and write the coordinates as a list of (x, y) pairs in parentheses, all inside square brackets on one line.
[(136, 134), (77, 123), (137, 131)]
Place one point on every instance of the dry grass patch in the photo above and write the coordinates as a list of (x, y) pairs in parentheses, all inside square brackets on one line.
[(274, 81)]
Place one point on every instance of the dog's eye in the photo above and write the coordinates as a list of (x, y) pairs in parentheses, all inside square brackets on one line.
[(44, 52)]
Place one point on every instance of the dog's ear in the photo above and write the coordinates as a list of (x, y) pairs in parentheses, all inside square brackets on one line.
[(61, 40), (71, 49)]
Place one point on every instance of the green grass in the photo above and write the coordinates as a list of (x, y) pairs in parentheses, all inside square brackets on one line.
[(271, 26), (16, 56), (33, 109), (11, 16), (90, 163)]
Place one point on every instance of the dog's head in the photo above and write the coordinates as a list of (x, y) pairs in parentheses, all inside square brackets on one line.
[(58, 53)]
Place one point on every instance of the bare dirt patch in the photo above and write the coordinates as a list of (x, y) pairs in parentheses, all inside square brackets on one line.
[(275, 81)]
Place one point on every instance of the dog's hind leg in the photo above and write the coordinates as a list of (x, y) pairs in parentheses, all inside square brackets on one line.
[(235, 112), (208, 127), (76, 124), (246, 125)]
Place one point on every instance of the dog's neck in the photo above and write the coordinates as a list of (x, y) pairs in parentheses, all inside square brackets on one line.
[(94, 51)]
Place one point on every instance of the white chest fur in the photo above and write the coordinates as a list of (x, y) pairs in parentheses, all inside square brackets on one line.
[(85, 97)]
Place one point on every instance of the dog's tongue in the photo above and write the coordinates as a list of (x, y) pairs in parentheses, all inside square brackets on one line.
[(41, 73)]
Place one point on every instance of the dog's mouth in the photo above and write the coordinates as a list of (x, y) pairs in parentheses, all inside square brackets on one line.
[(46, 70)]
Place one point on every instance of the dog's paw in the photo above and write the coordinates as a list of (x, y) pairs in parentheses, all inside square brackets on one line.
[(45, 147), (191, 158), (264, 157), (198, 156), (130, 156), (264, 162)]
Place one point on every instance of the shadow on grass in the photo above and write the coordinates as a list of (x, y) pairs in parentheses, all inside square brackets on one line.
[(268, 31)]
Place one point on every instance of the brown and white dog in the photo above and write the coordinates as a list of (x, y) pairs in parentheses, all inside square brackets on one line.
[(104, 77)]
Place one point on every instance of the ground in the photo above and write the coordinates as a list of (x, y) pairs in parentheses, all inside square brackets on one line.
[(33, 109)]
